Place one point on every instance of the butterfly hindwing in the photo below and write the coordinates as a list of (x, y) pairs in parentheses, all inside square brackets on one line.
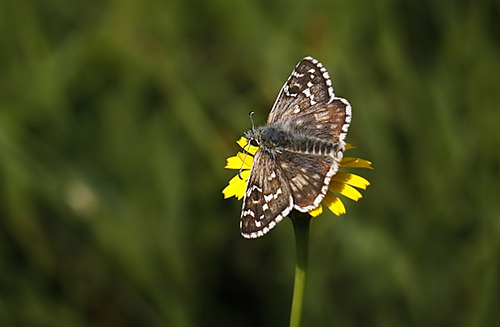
[(308, 176)]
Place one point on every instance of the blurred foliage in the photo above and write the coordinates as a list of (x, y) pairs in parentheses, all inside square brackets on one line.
[(115, 121)]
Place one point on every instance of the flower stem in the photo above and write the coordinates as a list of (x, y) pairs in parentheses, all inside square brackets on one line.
[(301, 224)]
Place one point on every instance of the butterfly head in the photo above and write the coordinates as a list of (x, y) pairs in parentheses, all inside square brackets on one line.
[(253, 136)]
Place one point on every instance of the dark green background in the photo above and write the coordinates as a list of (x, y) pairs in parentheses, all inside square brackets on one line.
[(115, 121)]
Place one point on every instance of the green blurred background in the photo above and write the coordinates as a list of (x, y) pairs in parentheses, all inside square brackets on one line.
[(115, 121)]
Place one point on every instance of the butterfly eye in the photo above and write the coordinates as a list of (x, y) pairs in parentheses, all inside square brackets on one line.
[(253, 142)]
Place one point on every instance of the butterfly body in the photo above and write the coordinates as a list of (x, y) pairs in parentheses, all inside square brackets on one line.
[(299, 149), (276, 137)]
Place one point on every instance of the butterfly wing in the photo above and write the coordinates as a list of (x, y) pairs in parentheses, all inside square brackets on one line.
[(308, 176), (308, 104), (267, 197)]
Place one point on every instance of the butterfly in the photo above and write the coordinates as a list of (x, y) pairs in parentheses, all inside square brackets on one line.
[(299, 150)]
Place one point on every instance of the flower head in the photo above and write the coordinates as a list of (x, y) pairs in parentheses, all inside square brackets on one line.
[(343, 183)]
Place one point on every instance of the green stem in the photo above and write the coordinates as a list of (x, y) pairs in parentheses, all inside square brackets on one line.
[(301, 224)]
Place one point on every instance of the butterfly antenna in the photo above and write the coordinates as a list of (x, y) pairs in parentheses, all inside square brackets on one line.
[(241, 168), (250, 114), (244, 159)]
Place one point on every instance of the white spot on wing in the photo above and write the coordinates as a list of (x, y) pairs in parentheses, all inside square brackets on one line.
[(268, 197), (278, 218), (248, 213)]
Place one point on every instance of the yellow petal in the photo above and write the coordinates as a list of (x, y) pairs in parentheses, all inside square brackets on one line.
[(355, 162), (334, 204), (245, 146), (242, 142), (240, 161), (230, 190), (236, 186), (346, 190), (316, 212), (246, 159), (233, 163), (349, 146), (351, 179)]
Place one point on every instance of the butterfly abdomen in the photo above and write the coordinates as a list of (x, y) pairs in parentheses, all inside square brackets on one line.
[(274, 139), (312, 145)]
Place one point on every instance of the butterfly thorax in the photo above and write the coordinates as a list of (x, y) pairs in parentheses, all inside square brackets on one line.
[(277, 137)]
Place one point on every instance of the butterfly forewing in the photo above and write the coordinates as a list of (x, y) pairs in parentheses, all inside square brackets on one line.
[(307, 101), (308, 85), (329, 122), (267, 197)]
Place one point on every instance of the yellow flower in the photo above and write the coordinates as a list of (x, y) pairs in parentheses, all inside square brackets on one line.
[(342, 183)]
